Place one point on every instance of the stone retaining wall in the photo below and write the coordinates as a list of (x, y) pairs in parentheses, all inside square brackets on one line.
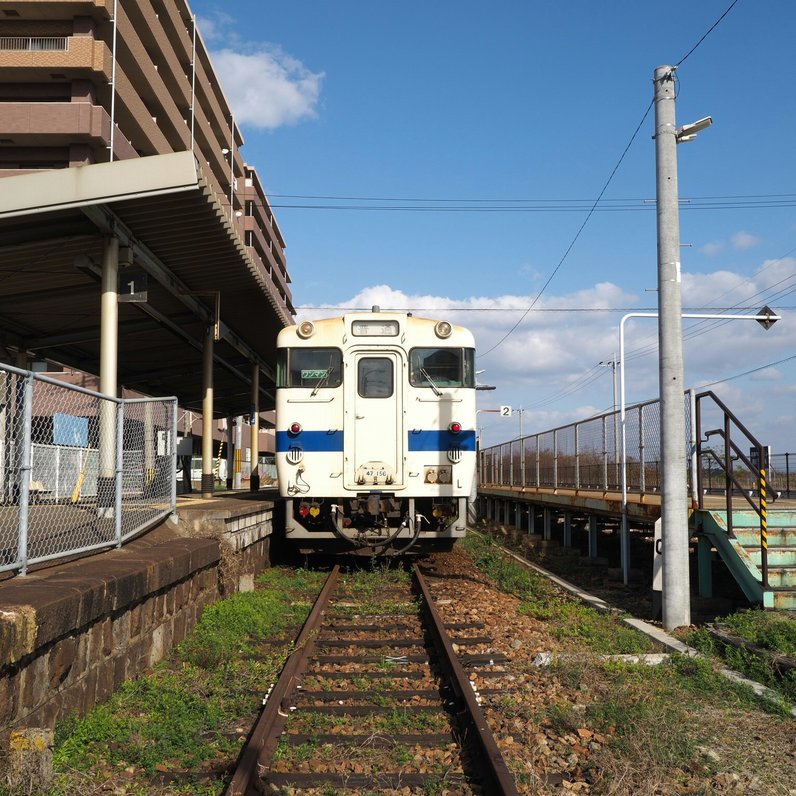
[(72, 633)]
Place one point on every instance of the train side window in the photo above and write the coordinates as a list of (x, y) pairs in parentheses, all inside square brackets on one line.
[(441, 367), (375, 377), (309, 367)]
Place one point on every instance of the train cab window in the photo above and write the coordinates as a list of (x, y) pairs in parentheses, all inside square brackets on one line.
[(375, 377), (309, 367), (442, 367)]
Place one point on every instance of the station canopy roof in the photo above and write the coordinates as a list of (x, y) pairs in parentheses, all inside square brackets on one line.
[(176, 238)]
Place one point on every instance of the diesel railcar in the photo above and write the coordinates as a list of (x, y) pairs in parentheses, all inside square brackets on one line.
[(375, 432)]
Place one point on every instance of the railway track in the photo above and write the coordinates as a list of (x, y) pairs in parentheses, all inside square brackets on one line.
[(377, 696)]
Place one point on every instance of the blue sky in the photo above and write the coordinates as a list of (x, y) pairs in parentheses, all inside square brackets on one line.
[(472, 141)]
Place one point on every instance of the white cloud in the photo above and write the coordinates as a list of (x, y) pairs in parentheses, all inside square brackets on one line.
[(744, 240), (268, 88), (768, 374), (550, 364), (712, 249)]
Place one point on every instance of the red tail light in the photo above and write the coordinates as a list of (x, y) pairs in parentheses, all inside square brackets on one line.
[(455, 427), (294, 428)]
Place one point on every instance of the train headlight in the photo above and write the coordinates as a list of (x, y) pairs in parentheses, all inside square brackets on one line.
[(443, 329), (455, 427), (305, 329), (294, 429)]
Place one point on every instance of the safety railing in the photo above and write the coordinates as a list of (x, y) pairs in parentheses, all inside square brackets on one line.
[(741, 460), (583, 455), (724, 459), (34, 43), (79, 471)]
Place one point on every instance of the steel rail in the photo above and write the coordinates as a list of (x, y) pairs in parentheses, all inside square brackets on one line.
[(256, 755), (248, 769), (502, 778)]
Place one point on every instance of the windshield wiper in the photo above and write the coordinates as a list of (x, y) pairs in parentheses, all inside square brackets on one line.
[(430, 381), (323, 379)]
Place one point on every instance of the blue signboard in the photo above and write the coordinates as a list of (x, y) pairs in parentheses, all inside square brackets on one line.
[(70, 430)]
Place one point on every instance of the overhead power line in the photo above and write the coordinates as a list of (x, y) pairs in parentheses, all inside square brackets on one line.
[(753, 202), (578, 233), (708, 32), (338, 308), (749, 372)]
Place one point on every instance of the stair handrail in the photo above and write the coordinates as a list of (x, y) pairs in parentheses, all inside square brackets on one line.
[(726, 464)]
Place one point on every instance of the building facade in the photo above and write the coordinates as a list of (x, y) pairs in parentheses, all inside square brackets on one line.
[(78, 86), (90, 81)]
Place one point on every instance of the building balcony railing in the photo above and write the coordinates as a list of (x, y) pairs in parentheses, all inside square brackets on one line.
[(61, 123), (34, 43), (256, 240), (81, 52)]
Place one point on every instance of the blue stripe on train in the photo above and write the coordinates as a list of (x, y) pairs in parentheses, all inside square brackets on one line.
[(332, 441), (319, 441), (420, 440)]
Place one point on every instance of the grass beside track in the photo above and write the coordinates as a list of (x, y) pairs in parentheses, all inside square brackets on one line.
[(179, 729), (774, 632), (667, 725)]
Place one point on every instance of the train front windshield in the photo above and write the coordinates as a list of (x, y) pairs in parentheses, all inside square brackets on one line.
[(442, 367), (309, 367)]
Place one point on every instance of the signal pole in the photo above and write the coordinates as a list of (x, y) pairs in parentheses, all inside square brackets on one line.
[(674, 496)]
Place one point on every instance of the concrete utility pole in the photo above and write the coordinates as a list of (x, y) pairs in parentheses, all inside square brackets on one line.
[(674, 496), (674, 508)]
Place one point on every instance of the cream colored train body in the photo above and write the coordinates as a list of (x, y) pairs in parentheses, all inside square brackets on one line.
[(375, 432)]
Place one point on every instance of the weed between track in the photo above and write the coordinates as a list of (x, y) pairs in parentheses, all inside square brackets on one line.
[(679, 728)]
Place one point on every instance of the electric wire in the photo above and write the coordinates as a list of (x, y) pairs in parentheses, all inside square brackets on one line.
[(748, 372), (577, 234), (554, 310), (707, 33), (550, 206)]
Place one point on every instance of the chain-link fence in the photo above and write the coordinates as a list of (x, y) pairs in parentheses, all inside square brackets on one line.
[(79, 471)]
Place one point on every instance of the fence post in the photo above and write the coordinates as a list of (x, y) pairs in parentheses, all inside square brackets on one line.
[(538, 474), (26, 465), (555, 458), (728, 476), (642, 478), (117, 514), (605, 452), (700, 491), (173, 457), (763, 464), (577, 455), (693, 444)]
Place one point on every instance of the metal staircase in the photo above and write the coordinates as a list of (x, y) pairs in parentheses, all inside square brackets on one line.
[(742, 552), (757, 544)]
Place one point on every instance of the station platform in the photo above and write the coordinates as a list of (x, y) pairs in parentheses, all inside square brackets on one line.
[(72, 631)]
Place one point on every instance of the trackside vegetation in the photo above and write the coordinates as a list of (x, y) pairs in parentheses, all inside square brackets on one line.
[(679, 727), (179, 729)]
